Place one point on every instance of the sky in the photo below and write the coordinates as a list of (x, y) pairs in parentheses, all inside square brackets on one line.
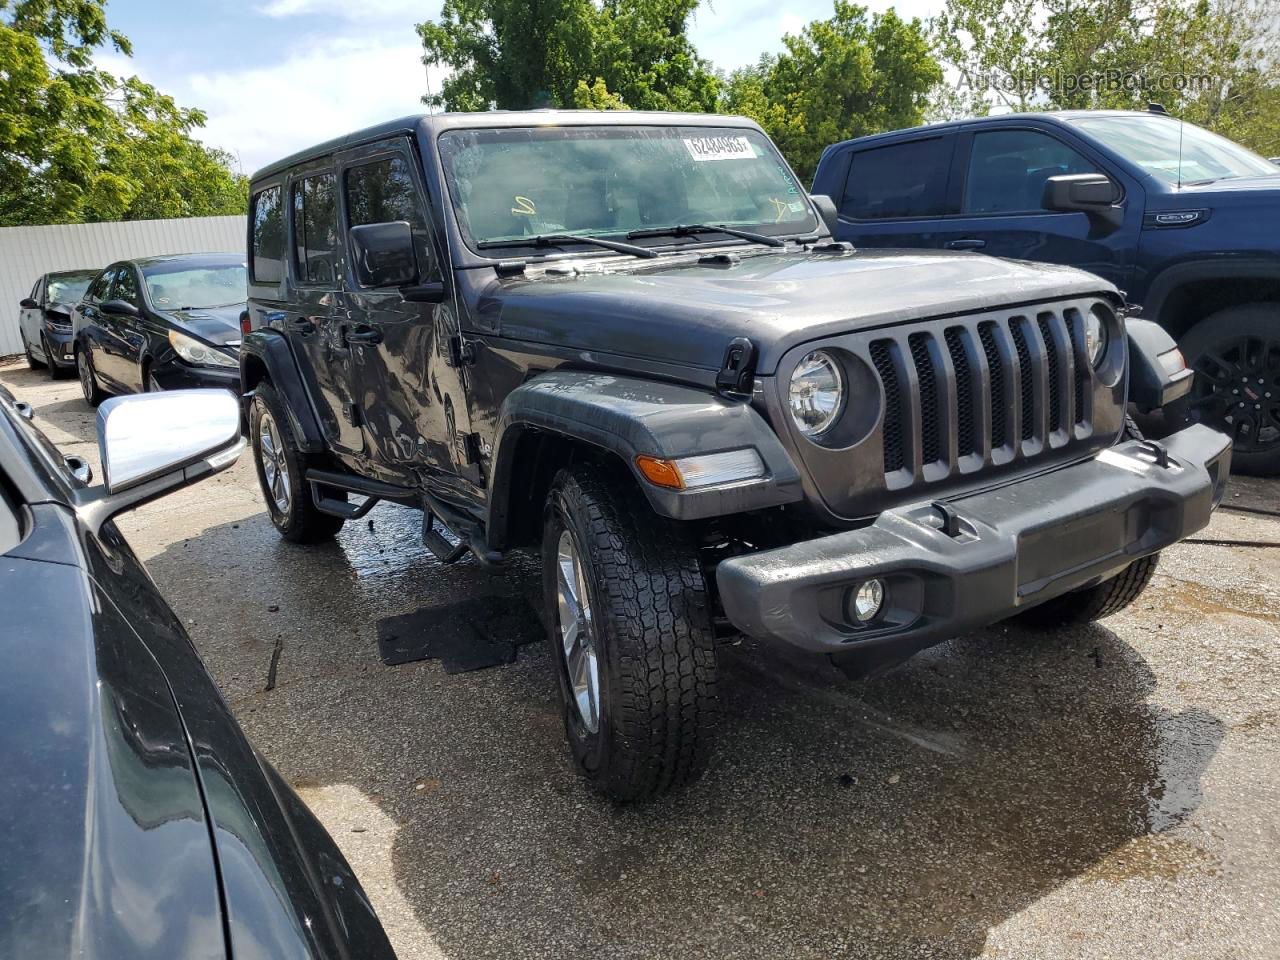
[(275, 76)]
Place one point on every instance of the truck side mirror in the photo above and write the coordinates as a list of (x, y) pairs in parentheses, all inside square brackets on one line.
[(26, 303), (827, 210), (383, 254), (1089, 193), (121, 308)]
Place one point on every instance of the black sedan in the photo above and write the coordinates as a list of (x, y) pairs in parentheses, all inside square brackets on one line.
[(138, 822), (45, 319), (161, 323)]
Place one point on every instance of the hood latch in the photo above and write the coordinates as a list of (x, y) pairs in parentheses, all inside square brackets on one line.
[(736, 374)]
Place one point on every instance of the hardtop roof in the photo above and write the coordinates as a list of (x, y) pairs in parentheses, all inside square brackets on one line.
[(433, 123)]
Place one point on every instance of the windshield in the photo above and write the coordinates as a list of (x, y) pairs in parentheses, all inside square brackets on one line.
[(67, 287), (176, 287), (1153, 144), (508, 183)]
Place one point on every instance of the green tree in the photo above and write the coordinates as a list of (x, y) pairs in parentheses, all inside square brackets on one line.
[(854, 74), (1210, 61), (512, 55), (78, 144)]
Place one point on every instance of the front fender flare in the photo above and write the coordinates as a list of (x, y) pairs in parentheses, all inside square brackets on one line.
[(627, 417)]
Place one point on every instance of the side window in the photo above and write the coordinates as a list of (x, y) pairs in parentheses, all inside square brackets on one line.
[(38, 290), (267, 216), (315, 229), (98, 289), (126, 287), (383, 191), (901, 180), (1008, 170)]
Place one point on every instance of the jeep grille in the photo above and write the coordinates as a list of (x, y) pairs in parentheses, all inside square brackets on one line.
[(1023, 376)]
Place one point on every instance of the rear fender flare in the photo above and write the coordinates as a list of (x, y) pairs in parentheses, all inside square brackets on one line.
[(266, 355)]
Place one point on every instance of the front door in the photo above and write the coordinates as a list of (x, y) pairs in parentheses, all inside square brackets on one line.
[(411, 395), (315, 316), (31, 321), (1002, 182)]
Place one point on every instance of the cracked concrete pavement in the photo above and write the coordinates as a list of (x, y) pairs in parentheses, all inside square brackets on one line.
[(1104, 792)]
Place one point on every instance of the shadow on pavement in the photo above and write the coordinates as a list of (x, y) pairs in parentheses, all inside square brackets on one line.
[(903, 816)]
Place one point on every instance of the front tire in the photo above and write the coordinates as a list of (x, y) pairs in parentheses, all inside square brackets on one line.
[(1236, 356), (93, 394), (281, 473), (630, 636)]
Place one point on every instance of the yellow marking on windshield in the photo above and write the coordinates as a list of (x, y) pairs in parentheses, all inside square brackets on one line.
[(524, 207), (781, 207)]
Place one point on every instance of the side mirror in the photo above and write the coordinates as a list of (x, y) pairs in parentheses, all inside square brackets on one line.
[(827, 210), (121, 308), (1089, 193), (153, 443), (26, 303), (383, 254)]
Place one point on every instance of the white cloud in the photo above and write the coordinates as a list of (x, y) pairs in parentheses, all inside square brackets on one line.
[(365, 10), (262, 114)]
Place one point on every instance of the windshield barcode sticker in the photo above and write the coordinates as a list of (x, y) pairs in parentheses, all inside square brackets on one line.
[(719, 148)]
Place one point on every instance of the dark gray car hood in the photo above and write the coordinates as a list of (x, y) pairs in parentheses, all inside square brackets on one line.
[(216, 325), (687, 313)]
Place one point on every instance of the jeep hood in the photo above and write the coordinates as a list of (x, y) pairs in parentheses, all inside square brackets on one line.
[(686, 313)]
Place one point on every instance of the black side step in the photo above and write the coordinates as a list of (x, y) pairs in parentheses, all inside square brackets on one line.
[(324, 481), (469, 533)]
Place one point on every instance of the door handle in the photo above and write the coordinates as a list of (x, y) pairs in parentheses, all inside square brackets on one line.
[(967, 244), (364, 334), (301, 325)]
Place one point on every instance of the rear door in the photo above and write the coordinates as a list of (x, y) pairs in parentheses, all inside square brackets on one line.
[(100, 333), (412, 400), (314, 317), (894, 194), (1001, 178)]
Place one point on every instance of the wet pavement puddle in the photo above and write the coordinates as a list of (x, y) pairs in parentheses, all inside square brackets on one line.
[(469, 635)]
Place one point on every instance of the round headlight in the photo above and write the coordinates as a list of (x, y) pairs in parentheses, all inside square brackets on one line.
[(1095, 336), (817, 392)]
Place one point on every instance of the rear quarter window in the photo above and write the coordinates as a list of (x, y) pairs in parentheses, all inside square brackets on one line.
[(898, 181), (267, 255)]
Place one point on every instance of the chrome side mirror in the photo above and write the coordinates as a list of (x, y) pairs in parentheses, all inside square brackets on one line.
[(153, 443)]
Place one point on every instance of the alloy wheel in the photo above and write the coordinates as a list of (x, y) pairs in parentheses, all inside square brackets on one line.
[(577, 633), (85, 373), (275, 469), (1238, 383)]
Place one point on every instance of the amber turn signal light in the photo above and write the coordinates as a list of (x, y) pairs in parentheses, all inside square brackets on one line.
[(661, 473)]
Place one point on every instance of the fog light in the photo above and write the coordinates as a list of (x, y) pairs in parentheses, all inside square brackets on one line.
[(867, 601)]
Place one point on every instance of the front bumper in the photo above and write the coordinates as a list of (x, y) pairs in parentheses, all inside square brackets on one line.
[(173, 374), (60, 346), (1007, 549)]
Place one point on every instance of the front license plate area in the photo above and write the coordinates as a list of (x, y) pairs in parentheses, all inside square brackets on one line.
[(1075, 549)]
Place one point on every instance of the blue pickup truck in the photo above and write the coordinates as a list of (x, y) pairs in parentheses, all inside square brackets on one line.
[(1182, 220)]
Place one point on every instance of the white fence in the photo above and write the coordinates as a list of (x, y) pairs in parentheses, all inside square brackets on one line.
[(28, 252)]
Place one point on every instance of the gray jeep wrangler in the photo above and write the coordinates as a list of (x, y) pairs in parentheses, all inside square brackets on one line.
[(628, 340)]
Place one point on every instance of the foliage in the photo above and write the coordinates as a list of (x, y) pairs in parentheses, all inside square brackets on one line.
[(510, 54), (78, 144), (851, 75), (1219, 51)]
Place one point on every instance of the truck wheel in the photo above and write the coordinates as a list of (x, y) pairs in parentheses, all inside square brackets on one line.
[(1093, 603), (630, 636), (281, 466), (1236, 356)]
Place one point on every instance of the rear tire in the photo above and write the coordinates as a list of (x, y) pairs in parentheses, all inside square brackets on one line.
[(281, 469), (642, 609), (1093, 603), (1236, 356)]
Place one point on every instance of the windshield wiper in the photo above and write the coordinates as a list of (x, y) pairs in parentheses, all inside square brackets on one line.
[(689, 229), (556, 239)]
